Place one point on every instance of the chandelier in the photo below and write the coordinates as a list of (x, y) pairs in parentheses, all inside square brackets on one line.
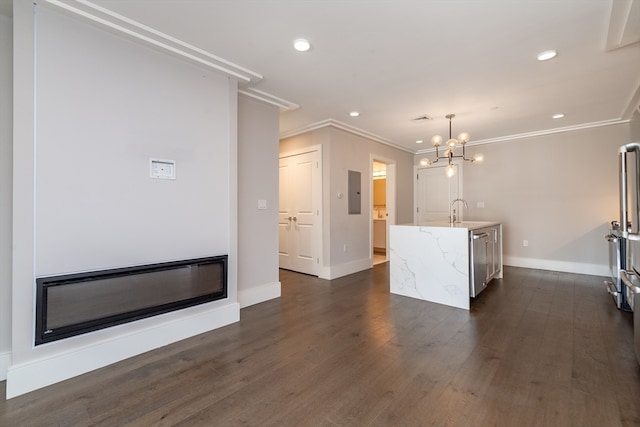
[(451, 144)]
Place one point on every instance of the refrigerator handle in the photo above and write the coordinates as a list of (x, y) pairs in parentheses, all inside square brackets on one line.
[(626, 279), (630, 232)]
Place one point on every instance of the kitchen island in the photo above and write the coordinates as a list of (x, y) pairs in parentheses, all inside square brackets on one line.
[(444, 263)]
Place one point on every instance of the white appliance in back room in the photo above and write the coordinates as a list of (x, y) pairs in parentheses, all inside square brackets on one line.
[(629, 161)]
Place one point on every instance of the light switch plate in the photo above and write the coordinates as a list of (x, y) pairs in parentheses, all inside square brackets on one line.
[(262, 204), (163, 169)]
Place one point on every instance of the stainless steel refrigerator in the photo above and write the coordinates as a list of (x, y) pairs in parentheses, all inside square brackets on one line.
[(629, 165)]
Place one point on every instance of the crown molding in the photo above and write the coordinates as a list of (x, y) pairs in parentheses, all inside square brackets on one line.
[(540, 133), (130, 28), (345, 127), (360, 132), (282, 104), (633, 105), (624, 26)]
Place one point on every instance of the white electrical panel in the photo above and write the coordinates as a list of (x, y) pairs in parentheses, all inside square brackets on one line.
[(163, 169)]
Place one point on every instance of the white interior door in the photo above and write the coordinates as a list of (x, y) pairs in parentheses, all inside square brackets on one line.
[(435, 192), (298, 213)]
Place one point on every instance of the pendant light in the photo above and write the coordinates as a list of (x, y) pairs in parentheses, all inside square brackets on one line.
[(449, 153)]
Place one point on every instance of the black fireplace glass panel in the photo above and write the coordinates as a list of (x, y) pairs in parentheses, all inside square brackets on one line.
[(78, 303)]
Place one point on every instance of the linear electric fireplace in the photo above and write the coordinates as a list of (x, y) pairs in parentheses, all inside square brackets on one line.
[(74, 304)]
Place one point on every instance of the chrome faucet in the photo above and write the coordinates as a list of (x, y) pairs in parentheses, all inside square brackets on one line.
[(452, 212)]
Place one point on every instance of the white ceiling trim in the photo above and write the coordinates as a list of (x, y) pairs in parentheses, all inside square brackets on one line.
[(131, 28), (624, 24), (540, 133), (633, 105), (376, 138), (282, 104), (343, 126)]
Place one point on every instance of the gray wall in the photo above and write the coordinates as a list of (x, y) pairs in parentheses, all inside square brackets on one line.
[(6, 170), (557, 191), (257, 180), (343, 151)]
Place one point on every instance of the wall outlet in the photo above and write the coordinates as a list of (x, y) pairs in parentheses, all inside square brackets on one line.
[(480, 205), (525, 243), (345, 248)]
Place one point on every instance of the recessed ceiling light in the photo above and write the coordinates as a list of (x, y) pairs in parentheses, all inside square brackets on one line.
[(558, 116), (354, 114), (301, 45), (419, 141), (546, 55)]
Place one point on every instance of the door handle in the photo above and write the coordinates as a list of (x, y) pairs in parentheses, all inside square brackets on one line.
[(295, 219), (289, 219)]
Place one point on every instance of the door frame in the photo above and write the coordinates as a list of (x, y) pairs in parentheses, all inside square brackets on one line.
[(316, 197), (416, 196), (391, 191)]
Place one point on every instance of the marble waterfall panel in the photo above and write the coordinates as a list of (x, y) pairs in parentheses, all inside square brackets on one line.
[(430, 263)]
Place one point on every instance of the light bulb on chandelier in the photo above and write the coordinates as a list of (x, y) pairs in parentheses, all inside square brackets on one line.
[(450, 170), (449, 153)]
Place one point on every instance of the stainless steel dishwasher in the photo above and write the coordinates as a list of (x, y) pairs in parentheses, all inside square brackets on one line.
[(478, 262)]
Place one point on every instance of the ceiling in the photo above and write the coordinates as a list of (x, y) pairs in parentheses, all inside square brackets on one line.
[(396, 60)]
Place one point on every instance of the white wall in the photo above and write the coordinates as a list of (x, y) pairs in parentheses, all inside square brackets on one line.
[(102, 113), (557, 191), (6, 170), (343, 151), (83, 198), (258, 180)]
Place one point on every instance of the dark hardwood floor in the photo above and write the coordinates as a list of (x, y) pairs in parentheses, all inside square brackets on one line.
[(538, 348)]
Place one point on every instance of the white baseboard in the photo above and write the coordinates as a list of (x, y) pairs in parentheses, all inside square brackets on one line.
[(563, 266), (36, 374), (335, 271), (5, 361), (259, 294)]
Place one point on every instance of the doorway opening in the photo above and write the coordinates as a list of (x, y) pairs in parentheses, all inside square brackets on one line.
[(382, 207)]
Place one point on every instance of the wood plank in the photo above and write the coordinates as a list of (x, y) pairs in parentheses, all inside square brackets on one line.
[(537, 348)]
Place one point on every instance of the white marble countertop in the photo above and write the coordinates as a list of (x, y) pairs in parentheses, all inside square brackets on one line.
[(469, 225)]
